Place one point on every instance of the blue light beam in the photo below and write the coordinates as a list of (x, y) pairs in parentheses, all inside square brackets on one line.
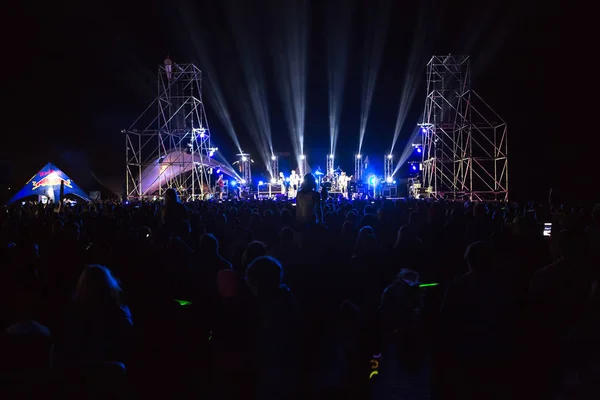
[(378, 18), (216, 97), (289, 49), (254, 105), (339, 21)]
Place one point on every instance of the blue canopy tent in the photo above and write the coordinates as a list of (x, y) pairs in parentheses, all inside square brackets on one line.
[(47, 182)]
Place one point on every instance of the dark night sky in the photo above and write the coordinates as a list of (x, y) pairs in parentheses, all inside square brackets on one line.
[(82, 73)]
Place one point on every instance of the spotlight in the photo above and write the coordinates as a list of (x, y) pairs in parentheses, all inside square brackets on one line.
[(414, 167), (394, 182), (302, 157), (273, 157), (232, 183), (218, 170), (389, 179), (260, 183), (418, 149), (389, 156), (331, 156), (358, 156), (244, 159), (212, 153), (202, 135), (273, 181), (423, 130), (243, 181)]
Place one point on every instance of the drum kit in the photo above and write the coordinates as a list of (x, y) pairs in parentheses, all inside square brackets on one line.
[(337, 182)]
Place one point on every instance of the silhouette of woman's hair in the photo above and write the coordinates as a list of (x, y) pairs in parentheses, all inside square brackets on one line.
[(97, 285), (265, 274), (209, 244), (171, 197), (309, 182), (254, 250)]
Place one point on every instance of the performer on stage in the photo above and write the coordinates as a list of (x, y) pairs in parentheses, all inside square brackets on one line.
[(281, 182), (220, 186), (344, 184), (294, 183)]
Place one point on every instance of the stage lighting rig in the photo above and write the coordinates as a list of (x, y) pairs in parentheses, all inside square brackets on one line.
[(388, 167), (358, 168), (274, 167), (330, 166), (245, 164), (303, 166)]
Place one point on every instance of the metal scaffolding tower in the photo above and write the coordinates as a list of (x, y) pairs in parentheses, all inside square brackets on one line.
[(330, 168), (274, 168), (464, 142), (388, 167), (302, 166), (358, 168), (245, 166), (169, 144)]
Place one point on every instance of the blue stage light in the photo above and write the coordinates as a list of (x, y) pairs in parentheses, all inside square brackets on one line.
[(233, 183)]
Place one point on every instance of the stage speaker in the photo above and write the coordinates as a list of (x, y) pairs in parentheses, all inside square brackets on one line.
[(390, 191)]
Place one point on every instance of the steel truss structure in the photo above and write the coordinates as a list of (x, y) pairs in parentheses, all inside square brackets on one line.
[(358, 168), (388, 167), (169, 145), (245, 166), (302, 166), (330, 169), (274, 168), (464, 141)]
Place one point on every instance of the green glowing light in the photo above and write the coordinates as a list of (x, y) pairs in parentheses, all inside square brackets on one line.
[(373, 373), (428, 284), (183, 302)]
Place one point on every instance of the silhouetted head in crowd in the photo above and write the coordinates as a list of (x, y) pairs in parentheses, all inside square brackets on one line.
[(404, 234), (408, 275), (570, 244), (286, 236), (254, 250), (171, 197), (368, 220), (264, 276), (309, 183), (351, 217), (414, 220), (57, 227), (366, 241), (287, 219), (480, 257), (348, 229), (21, 261), (364, 231), (209, 245), (28, 349), (479, 210), (97, 285), (71, 232)]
